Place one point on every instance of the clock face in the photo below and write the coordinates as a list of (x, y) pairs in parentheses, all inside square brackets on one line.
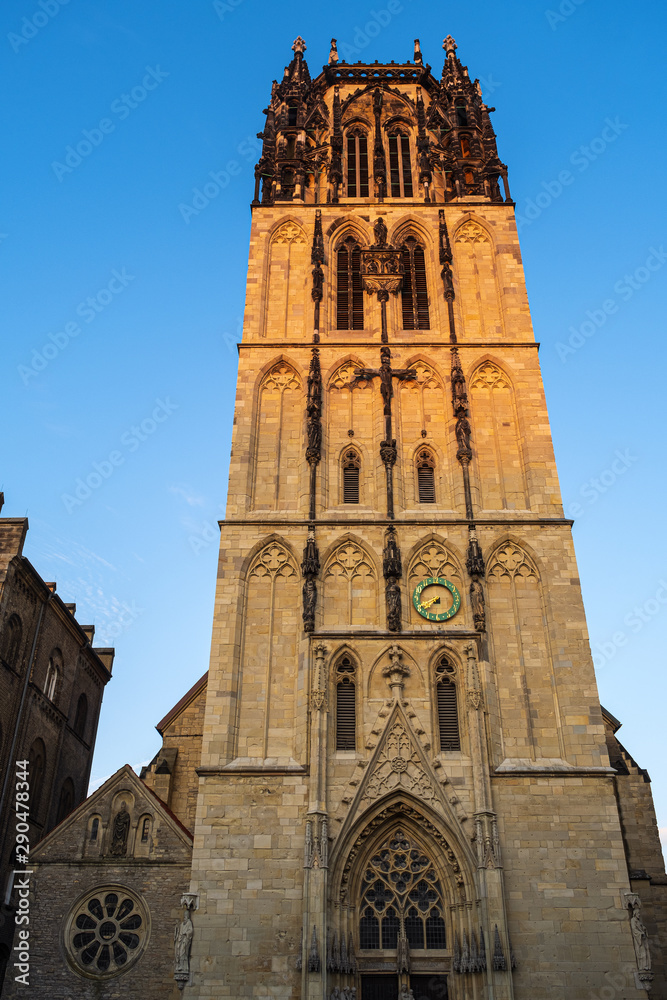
[(436, 599)]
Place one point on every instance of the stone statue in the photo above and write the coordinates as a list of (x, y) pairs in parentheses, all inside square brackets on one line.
[(463, 431), (380, 231), (639, 934), (121, 829), (182, 943), (333, 53), (477, 601), (405, 993)]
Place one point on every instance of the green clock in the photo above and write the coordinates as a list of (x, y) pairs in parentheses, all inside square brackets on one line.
[(432, 598)]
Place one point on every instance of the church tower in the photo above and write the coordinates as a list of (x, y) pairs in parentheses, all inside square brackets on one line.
[(404, 781)]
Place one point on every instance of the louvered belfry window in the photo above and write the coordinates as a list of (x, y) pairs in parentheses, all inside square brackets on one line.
[(357, 165), (349, 291), (400, 172), (448, 713), (351, 468), (415, 295), (426, 476), (346, 712)]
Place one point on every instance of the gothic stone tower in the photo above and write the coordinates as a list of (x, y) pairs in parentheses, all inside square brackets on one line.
[(404, 781)]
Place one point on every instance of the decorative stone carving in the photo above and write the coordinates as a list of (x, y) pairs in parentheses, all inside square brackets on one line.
[(314, 963), (310, 567), (489, 376), (405, 993), (183, 934), (477, 602), (499, 960), (120, 831), (399, 765), (471, 232), (474, 558), (396, 672), (402, 953), (392, 571), (511, 561), (333, 53), (640, 941), (282, 376), (289, 232)]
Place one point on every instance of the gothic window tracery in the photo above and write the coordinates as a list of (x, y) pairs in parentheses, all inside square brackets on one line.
[(414, 297), (350, 582), (349, 290), (400, 170), (401, 894), (346, 690)]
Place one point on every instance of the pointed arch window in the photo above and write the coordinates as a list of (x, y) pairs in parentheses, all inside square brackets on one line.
[(292, 112), (400, 170), (351, 468), (94, 829), (357, 164), (401, 896), (12, 641), (349, 291), (52, 676), (81, 715), (414, 296), (346, 705), (66, 800), (37, 758), (425, 476), (447, 705)]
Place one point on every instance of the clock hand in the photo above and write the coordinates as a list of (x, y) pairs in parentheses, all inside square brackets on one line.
[(427, 604)]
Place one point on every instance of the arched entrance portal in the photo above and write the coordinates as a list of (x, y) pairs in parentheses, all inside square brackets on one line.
[(402, 905)]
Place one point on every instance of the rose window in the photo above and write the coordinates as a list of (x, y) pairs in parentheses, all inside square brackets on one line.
[(106, 932)]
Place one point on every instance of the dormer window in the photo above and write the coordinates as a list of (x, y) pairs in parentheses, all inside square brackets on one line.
[(400, 171)]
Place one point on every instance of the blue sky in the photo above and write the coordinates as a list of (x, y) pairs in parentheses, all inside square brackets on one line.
[(121, 311)]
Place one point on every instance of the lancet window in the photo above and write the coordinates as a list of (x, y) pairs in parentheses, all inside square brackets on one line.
[(401, 897), (351, 468), (414, 296), (447, 705), (400, 171), (349, 291), (357, 164), (425, 465), (346, 705)]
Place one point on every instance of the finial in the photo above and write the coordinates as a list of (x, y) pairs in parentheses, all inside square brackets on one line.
[(418, 53), (333, 53), (450, 46), (299, 46)]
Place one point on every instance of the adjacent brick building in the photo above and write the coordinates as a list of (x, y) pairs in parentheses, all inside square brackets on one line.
[(51, 684)]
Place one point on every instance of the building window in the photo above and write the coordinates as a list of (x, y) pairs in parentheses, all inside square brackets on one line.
[(414, 296), (426, 476), (401, 893), (349, 292), (81, 715), (292, 112), (447, 703), (52, 676), (37, 767), (106, 932), (400, 172), (357, 165), (461, 113), (12, 641), (346, 710), (145, 830), (66, 800), (94, 829), (351, 468)]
